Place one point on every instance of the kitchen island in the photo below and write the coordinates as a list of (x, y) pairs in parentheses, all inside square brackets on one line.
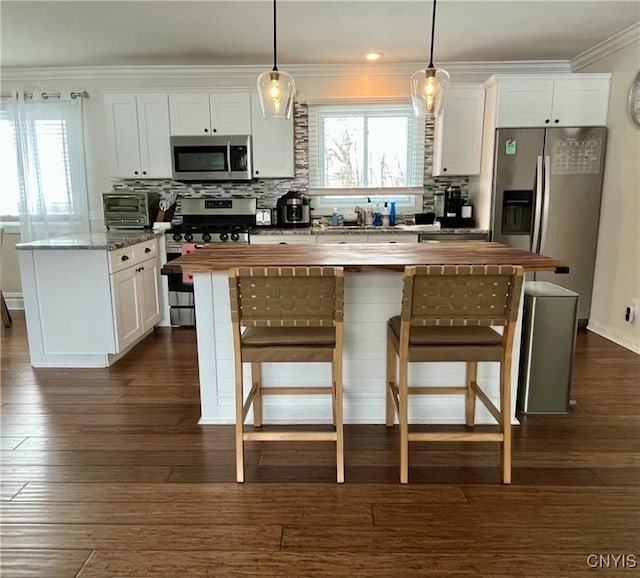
[(373, 292)]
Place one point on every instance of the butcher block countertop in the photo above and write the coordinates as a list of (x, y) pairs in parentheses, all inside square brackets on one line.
[(359, 257)]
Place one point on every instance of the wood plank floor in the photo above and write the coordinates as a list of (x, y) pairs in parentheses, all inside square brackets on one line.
[(106, 473)]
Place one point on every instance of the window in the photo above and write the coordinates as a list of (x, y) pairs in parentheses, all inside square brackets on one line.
[(374, 150), (42, 156)]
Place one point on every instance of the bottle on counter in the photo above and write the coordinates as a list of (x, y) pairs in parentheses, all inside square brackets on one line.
[(335, 218), (377, 216), (369, 212), (392, 214), (466, 211), (385, 215)]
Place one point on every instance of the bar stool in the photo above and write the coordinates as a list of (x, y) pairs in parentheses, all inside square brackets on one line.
[(291, 314), (447, 315)]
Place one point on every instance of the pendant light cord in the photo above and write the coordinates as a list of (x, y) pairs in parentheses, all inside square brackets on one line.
[(275, 47), (433, 32)]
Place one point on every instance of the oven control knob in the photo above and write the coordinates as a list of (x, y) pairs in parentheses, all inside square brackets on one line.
[(206, 237), (235, 236), (224, 237), (188, 237), (177, 237)]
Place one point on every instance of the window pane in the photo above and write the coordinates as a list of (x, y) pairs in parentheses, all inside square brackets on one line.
[(343, 151), (53, 161), (10, 193), (387, 148)]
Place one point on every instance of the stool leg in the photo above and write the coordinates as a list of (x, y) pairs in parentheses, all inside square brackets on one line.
[(505, 410), (391, 380), (334, 394), (6, 316), (239, 422), (470, 398), (337, 372), (404, 422), (256, 378)]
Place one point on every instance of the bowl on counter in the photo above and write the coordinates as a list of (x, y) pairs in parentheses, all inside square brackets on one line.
[(425, 218)]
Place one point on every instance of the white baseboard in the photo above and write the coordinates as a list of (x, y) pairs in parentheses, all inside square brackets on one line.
[(630, 343), (14, 301)]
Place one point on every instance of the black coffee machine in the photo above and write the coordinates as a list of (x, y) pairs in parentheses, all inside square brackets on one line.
[(454, 213)]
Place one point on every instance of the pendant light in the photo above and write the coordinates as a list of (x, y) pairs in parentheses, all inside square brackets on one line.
[(276, 88), (429, 86)]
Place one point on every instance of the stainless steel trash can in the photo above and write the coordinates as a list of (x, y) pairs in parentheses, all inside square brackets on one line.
[(549, 328)]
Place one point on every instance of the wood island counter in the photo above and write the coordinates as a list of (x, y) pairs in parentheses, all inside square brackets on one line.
[(373, 293)]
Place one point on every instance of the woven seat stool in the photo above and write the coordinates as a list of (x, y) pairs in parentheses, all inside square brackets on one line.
[(448, 315), (289, 314)]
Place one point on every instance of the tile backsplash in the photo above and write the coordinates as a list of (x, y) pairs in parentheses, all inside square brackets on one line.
[(267, 191)]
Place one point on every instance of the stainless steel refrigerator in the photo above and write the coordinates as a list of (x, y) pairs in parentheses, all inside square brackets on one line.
[(547, 185)]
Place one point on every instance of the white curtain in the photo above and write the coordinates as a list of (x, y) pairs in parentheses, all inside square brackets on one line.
[(49, 138)]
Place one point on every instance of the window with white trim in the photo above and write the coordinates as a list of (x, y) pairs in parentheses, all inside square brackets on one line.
[(42, 159), (360, 150)]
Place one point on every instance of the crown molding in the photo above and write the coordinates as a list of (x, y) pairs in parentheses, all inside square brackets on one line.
[(300, 70), (606, 47)]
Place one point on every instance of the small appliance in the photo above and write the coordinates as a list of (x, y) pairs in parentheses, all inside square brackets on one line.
[(211, 158), (130, 210), (266, 217), (294, 210)]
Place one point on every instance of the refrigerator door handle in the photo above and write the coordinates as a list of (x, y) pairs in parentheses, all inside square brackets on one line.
[(545, 204), (535, 240)]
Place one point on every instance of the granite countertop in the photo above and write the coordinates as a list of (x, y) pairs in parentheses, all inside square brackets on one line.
[(355, 230), (109, 241)]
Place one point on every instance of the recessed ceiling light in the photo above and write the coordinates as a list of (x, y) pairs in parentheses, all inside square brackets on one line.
[(374, 55)]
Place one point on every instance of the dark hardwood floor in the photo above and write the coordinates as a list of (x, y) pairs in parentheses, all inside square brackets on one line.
[(106, 473)]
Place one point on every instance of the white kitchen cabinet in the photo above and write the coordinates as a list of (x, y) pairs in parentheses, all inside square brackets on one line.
[(342, 238), (202, 113), (554, 100), (392, 238), (136, 305), (137, 130), (230, 113), (283, 239), (88, 307), (273, 154), (458, 132)]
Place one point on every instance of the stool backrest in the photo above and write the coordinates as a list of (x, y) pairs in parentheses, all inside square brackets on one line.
[(287, 296), (459, 295)]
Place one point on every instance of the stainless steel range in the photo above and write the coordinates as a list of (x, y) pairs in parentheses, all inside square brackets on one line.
[(203, 221)]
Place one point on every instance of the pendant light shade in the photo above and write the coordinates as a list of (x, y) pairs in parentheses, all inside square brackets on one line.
[(276, 88), (429, 86)]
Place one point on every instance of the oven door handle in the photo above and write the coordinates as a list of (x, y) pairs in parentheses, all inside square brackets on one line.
[(229, 156)]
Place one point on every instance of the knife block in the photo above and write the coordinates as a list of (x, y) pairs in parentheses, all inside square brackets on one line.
[(166, 216)]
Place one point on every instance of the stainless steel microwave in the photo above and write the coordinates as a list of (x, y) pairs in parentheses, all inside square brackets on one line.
[(130, 210), (211, 158)]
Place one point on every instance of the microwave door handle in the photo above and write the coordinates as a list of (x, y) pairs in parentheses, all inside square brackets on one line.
[(537, 206), (229, 156), (545, 204)]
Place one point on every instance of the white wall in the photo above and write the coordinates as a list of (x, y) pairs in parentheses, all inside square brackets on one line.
[(617, 274)]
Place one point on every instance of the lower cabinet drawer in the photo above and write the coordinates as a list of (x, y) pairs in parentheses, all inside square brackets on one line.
[(121, 259)]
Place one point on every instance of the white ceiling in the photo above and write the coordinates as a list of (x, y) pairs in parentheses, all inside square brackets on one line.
[(239, 32)]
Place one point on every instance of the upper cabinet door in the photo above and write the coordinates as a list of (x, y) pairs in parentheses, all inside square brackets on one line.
[(581, 101), (458, 133), (189, 114), (122, 135), (153, 128), (524, 103), (230, 113), (273, 155)]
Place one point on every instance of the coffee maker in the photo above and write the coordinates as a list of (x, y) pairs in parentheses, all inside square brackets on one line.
[(456, 209)]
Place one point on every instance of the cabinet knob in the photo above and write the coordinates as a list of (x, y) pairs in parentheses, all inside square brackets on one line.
[(444, 170), (206, 130), (215, 130), (144, 172), (147, 250), (257, 172), (556, 121), (124, 258), (135, 172), (282, 243), (546, 121)]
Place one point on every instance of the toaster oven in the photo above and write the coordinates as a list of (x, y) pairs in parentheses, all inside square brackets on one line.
[(130, 210)]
